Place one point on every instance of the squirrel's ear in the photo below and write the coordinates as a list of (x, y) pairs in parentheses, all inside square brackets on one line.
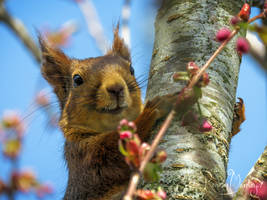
[(119, 47), (56, 69)]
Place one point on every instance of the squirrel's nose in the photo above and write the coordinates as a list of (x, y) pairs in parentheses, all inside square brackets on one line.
[(116, 90)]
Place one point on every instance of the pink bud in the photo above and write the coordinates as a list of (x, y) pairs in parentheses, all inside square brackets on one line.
[(122, 125), (43, 190), (242, 45), (235, 20), (42, 99), (161, 194), (132, 125), (204, 80), (11, 119), (223, 34), (124, 122), (192, 68), (205, 126), (145, 194), (257, 189), (125, 135)]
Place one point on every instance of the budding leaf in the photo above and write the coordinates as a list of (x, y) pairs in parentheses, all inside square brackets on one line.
[(151, 172)]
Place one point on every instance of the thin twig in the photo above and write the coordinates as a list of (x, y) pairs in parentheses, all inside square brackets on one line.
[(20, 30), (93, 23), (136, 176), (134, 180), (196, 78)]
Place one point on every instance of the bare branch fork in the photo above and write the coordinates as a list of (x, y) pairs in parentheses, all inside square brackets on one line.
[(136, 176)]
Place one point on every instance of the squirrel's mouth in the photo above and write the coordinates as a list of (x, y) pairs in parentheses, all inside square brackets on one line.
[(116, 110)]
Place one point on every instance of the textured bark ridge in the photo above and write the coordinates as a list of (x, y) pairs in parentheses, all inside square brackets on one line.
[(196, 167)]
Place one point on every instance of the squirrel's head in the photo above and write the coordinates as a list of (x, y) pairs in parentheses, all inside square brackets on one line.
[(94, 93)]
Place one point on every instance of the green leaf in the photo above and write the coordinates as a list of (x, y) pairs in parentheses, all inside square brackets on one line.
[(122, 150)]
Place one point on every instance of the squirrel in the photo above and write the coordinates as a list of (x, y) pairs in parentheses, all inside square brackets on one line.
[(94, 95)]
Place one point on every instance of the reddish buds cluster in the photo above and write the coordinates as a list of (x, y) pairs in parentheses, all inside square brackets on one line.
[(151, 194), (11, 133), (12, 121), (242, 45), (26, 181), (192, 69), (133, 150)]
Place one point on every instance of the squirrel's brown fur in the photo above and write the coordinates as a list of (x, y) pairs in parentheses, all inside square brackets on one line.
[(90, 114)]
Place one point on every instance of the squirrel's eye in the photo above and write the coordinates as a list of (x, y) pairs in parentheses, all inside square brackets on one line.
[(77, 80), (132, 70)]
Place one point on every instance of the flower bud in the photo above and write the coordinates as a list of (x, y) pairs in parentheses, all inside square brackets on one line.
[(235, 20), (161, 194), (242, 45), (245, 12), (42, 99), (192, 68), (145, 194), (12, 148), (204, 80), (257, 189), (125, 135), (124, 122), (223, 34), (161, 156), (43, 190), (132, 126), (205, 126)]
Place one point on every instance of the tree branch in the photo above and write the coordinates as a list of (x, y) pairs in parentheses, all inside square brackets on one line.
[(258, 173), (20, 30)]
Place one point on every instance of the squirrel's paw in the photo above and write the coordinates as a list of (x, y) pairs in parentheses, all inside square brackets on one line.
[(162, 104)]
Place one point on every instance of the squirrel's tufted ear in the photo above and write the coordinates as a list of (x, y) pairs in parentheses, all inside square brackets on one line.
[(56, 69), (119, 47)]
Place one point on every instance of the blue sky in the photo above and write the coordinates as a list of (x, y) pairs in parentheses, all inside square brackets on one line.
[(20, 80)]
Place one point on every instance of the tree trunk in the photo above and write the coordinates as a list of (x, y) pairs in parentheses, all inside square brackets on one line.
[(196, 167)]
